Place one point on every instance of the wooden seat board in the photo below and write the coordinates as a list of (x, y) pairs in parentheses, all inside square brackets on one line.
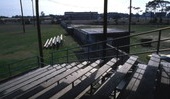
[(114, 80), (142, 87), (47, 93), (88, 81), (50, 82)]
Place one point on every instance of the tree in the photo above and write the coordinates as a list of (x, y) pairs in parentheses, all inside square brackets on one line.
[(42, 13), (138, 10), (159, 7)]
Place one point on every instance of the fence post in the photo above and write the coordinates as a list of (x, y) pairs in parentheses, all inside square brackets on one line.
[(88, 54), (9, 70), (38, 61), (158, 44), (117, 51), (67, 55), (52, 59)]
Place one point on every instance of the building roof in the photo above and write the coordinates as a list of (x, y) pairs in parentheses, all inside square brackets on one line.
[(100, 30)]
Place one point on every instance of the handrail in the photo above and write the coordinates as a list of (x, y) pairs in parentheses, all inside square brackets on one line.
[(15, 68), (68, 52), (118, 47), (132, 35), (135, 44), (22, 60), (143, 33)]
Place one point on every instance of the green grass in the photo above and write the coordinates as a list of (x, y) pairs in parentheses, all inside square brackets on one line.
[(154, 36), (143, 28), (16, 45)]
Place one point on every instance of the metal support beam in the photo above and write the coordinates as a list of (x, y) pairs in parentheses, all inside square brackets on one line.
[(39, 33), (23, 22), (130, 15), (130, 21), (33, 12), (105, 28), (159, 41)]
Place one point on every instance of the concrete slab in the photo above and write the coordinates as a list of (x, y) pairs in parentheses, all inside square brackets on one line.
[(100, 30)]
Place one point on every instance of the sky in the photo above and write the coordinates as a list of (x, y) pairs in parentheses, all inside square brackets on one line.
[(58, 7)]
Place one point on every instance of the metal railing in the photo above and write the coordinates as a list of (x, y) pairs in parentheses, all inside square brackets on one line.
[(88, 53), (19, 67)]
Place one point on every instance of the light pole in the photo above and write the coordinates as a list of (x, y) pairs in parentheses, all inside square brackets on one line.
[(33, 12), (39, 34), (129, 30), (105, 28), (130, 15), (23, 23)]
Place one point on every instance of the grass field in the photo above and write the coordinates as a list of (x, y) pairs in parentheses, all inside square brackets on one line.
[(154, 36), (16, 45)]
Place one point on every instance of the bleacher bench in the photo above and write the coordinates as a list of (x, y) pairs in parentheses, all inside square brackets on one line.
[(143, 82), (109, 86)]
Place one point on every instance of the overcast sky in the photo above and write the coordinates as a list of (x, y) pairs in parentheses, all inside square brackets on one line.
[(12, 7)]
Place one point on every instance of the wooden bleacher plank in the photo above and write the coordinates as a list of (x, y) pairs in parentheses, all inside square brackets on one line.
[(49, 43), (53, 41), (24, 88), (48, 92), (61, 38), (46, 43), (85, 76), (58, 42), (163, 87), (21, 77), (108, 87), (134, 82), (75, 83), (50, 82), (25, 77), (166, 67), (141, 86), (48, 77), (10, 89), (77, 90)]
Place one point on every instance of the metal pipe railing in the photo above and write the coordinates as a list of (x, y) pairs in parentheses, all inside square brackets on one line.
[(119, 47), (159, 38), (69, 52), (24, 65)]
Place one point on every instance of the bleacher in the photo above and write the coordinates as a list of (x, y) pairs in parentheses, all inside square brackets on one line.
[(54, 42), (93, 80)]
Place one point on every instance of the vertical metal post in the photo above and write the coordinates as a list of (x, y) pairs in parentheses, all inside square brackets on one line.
[(67, 55), (158, 44), (130, 15), (52, 59), (39, 34), (117, 51), (88, 54), (87, 39), (105, 28), (23, 22), (9, 70), (130, 19), (33, 12), (91, 89), (38, 61)]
